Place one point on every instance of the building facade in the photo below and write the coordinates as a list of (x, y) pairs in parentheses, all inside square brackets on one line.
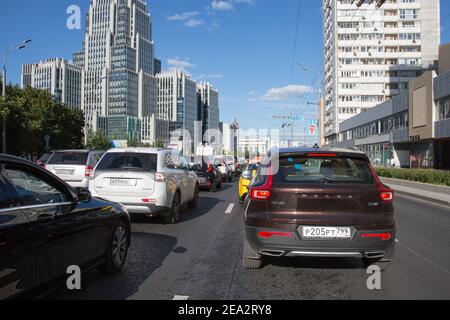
[(177, 103), (209, 112), (118, 85), (371, 53), (412, 130), (56, 76)]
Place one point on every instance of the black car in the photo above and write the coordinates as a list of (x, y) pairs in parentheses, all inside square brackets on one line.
[(209, 176), (46, 227)]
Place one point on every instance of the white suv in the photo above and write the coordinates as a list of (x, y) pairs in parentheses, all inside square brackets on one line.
[(74, 166), (147, 181)]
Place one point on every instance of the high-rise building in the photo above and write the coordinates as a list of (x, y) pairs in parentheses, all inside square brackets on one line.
[(119, 88), (56, 76), (157, 66), (177, 103), (371, 53), (209, 108)]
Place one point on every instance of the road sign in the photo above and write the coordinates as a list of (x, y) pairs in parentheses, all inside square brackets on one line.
[(312, 129)]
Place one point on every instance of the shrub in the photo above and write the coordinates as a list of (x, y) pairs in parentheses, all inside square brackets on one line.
[(430, 176)]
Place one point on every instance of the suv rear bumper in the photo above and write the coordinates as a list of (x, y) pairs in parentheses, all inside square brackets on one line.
[(146, 210), (293, 246)]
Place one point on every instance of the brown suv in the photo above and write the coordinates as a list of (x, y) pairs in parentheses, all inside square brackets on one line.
[(318, 203)]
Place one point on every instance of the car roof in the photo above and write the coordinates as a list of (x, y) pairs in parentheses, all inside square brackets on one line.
[(76, 151), (16, 160), (139, 150)]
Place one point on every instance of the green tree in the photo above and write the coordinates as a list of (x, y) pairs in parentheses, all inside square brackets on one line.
[(32, 115), (98, 141), (159, 144)]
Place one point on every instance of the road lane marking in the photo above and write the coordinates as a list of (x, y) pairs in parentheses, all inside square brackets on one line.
[(230, 208), (396, 240), (425, 259), (180, 298)]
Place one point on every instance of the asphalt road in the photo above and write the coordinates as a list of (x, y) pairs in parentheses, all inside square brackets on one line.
[(200, 258)]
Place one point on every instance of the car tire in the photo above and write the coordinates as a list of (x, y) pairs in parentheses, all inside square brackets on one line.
[(194, 202), (219, 185), (251, 259), (230, 179), (117, 251), (174, 216)]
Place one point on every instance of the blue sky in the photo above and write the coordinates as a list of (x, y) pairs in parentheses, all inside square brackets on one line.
[(245, 48)]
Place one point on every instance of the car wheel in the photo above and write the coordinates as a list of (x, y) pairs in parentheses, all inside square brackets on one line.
[(219, 185), (174, 215), (214, 187), (117, 251), (251, 259), (230, 178), (194, 202)]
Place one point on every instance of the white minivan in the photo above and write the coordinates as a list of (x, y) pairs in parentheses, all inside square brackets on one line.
[(147, 181)]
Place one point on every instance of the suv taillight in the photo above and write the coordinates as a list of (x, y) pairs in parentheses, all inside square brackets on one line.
[(160, 177), (210, 168), (263, 192), (386, 193), (88, 172)]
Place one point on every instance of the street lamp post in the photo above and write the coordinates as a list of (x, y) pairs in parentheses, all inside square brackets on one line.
[(235, 127), (18, 46)]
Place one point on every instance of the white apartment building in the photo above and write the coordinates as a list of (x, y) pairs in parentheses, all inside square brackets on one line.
[(371, 53), (155, 129), (56, 76), (177, 103), (227, 137)]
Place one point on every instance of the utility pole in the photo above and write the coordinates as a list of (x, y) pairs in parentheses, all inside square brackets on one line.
[(18, 46)]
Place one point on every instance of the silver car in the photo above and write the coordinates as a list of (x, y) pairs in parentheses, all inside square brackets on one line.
[(74, 166), (147, 181)]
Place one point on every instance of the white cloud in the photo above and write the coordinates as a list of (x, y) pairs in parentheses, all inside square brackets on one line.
[(286, 93), (211, 76), (183, 16), (194, 23), (180, 64), (222, 5)]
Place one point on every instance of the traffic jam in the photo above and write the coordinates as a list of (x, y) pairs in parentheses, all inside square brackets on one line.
[(76, 208)]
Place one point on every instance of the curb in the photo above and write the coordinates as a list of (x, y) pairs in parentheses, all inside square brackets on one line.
[(421, 197)]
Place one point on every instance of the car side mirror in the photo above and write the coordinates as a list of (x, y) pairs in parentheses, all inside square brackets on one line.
[(84, 195), (247, 175)]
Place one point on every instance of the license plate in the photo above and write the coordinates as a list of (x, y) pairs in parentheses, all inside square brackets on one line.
[(123, 182), (326, 233), (64, 171)]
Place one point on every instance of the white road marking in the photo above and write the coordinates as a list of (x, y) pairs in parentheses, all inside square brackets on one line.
[(180, 298), (230, 208), (425, 259), (396, 240)]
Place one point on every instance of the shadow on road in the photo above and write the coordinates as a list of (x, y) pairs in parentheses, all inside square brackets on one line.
[(205, 205), (314, 263), (147, 253)]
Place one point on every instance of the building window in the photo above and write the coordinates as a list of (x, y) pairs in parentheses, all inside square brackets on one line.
[(444, 109)]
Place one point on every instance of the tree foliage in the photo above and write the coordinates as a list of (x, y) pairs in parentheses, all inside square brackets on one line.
[(98, 141), (33, 114)]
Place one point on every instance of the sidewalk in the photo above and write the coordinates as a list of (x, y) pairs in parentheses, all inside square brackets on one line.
[(423, 191)]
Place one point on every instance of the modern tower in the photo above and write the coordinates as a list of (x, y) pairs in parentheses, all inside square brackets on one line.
[(118, 88), (371, 52)]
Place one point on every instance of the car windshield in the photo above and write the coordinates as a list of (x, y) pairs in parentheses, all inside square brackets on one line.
[(69, 158), (128, 162), (303, 169)]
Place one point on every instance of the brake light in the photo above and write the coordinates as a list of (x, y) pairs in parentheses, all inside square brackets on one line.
[(149, 200), (210, 168), (322, 155), (263, 192), (270, 234), (386, 194), (381, 236), (89, 170), (160, 177)]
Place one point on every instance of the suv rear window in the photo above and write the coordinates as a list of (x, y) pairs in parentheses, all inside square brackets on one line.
[(128, 162), (303, 169), (69, 158)]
